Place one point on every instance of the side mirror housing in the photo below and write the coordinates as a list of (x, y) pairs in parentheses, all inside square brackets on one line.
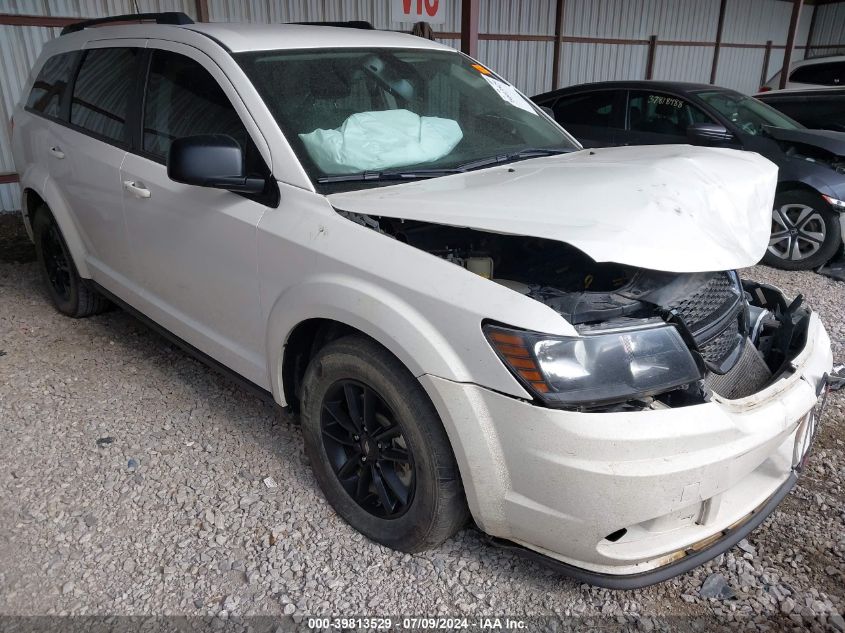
[(708, 134), (548, 111), (211, 160)]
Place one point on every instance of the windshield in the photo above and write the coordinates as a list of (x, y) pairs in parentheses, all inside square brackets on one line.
[(372, 111), (747, 113)]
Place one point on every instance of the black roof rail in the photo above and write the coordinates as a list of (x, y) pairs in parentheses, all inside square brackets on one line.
[(351, 24), (166, 17)]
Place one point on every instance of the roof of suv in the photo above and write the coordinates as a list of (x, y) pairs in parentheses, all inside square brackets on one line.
[(240, 37)]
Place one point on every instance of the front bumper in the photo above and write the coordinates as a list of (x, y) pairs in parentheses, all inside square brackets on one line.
[(665, 485)]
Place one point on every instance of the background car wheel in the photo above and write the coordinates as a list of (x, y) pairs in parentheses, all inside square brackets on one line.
[(805, 232), (378, 448), (68, 292)]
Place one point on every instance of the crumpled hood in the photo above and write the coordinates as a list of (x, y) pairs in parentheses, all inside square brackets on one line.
[(833, 142), (674, 208)]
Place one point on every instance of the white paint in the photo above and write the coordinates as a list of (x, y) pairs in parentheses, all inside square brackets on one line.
[(665, 207)]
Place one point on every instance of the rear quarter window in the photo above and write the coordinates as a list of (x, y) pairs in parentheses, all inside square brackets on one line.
[(51, 84)]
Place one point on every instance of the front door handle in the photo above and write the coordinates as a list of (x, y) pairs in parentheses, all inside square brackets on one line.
[(139, 191), (57, 152)]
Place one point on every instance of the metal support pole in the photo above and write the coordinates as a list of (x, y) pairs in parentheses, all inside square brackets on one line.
[(790, 42)]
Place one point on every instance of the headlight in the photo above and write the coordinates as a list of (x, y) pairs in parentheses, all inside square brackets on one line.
[(604, 365), (839, 205)]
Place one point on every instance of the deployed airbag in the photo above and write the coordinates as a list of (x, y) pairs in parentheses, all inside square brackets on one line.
[(381, 140)]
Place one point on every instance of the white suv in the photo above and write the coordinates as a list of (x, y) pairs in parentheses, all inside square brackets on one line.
[(811, 73), (474, 317)]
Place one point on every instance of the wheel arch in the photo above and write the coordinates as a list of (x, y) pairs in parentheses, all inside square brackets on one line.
[(322, 309), (796, 185), (50, 197)]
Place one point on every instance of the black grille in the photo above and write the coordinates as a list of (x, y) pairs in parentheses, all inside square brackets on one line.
[(715, 301), (708, 302), (717, 350)]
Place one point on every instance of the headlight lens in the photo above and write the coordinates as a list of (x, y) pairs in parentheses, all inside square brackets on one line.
[(603, 366), (839, 205)]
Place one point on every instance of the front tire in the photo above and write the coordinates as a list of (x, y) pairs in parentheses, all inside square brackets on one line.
[(806, 233), (68, 292), (378, 448)]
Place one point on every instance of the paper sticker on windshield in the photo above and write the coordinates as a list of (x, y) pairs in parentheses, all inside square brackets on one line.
[(481, 69), (508, 93)]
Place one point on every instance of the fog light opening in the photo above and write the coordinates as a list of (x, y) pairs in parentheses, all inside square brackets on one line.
[(615, 536)]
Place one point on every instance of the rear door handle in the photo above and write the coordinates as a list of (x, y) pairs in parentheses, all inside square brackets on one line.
[(135, 189), (57, 152)]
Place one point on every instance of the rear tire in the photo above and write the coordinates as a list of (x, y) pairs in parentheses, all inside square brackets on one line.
[(68, 292), (378, 448), (806, 233)]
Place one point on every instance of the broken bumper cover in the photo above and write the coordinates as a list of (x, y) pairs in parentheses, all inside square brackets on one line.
[(670, 487)]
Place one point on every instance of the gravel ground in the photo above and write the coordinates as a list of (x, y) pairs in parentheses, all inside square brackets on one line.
[(131, 482)]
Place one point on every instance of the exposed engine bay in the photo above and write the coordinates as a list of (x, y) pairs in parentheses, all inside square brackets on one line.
[(741, 334)]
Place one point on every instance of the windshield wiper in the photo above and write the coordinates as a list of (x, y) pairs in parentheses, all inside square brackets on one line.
[(415, 174), (500, 159), (375, 176)]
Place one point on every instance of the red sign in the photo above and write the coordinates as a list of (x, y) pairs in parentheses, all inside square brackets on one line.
[(432, 11)]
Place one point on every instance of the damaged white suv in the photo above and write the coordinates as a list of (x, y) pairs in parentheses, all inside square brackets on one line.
[(474, 317)]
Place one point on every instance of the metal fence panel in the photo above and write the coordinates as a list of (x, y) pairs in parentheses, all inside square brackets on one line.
[(683, 63), (528, 65), (581, 63), (739, 68)]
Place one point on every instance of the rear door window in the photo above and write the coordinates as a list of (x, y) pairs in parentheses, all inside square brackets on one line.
[(101, 91), (823, 74), (655, 118), (50, 85)]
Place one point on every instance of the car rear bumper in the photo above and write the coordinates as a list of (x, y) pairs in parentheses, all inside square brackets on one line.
[(670, 487)]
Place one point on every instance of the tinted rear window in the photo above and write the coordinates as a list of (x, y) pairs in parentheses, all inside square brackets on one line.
[(101, 91), (595, 109), (51, 83), (826, 74)]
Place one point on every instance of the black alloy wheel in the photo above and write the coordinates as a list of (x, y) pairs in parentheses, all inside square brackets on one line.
[(70, 294), (366, 449), (377, 447), (56, 262)]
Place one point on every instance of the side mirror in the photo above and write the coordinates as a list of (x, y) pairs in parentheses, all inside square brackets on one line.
[(708, 134), (548, 111), (211, 160)]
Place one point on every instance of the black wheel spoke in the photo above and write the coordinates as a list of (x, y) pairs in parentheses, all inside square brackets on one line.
[(381, 490), (399, 490), (353, 463), (362, 491), (340, 416), (353, 405), (387, 434), (395, 454), (337, 437)]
